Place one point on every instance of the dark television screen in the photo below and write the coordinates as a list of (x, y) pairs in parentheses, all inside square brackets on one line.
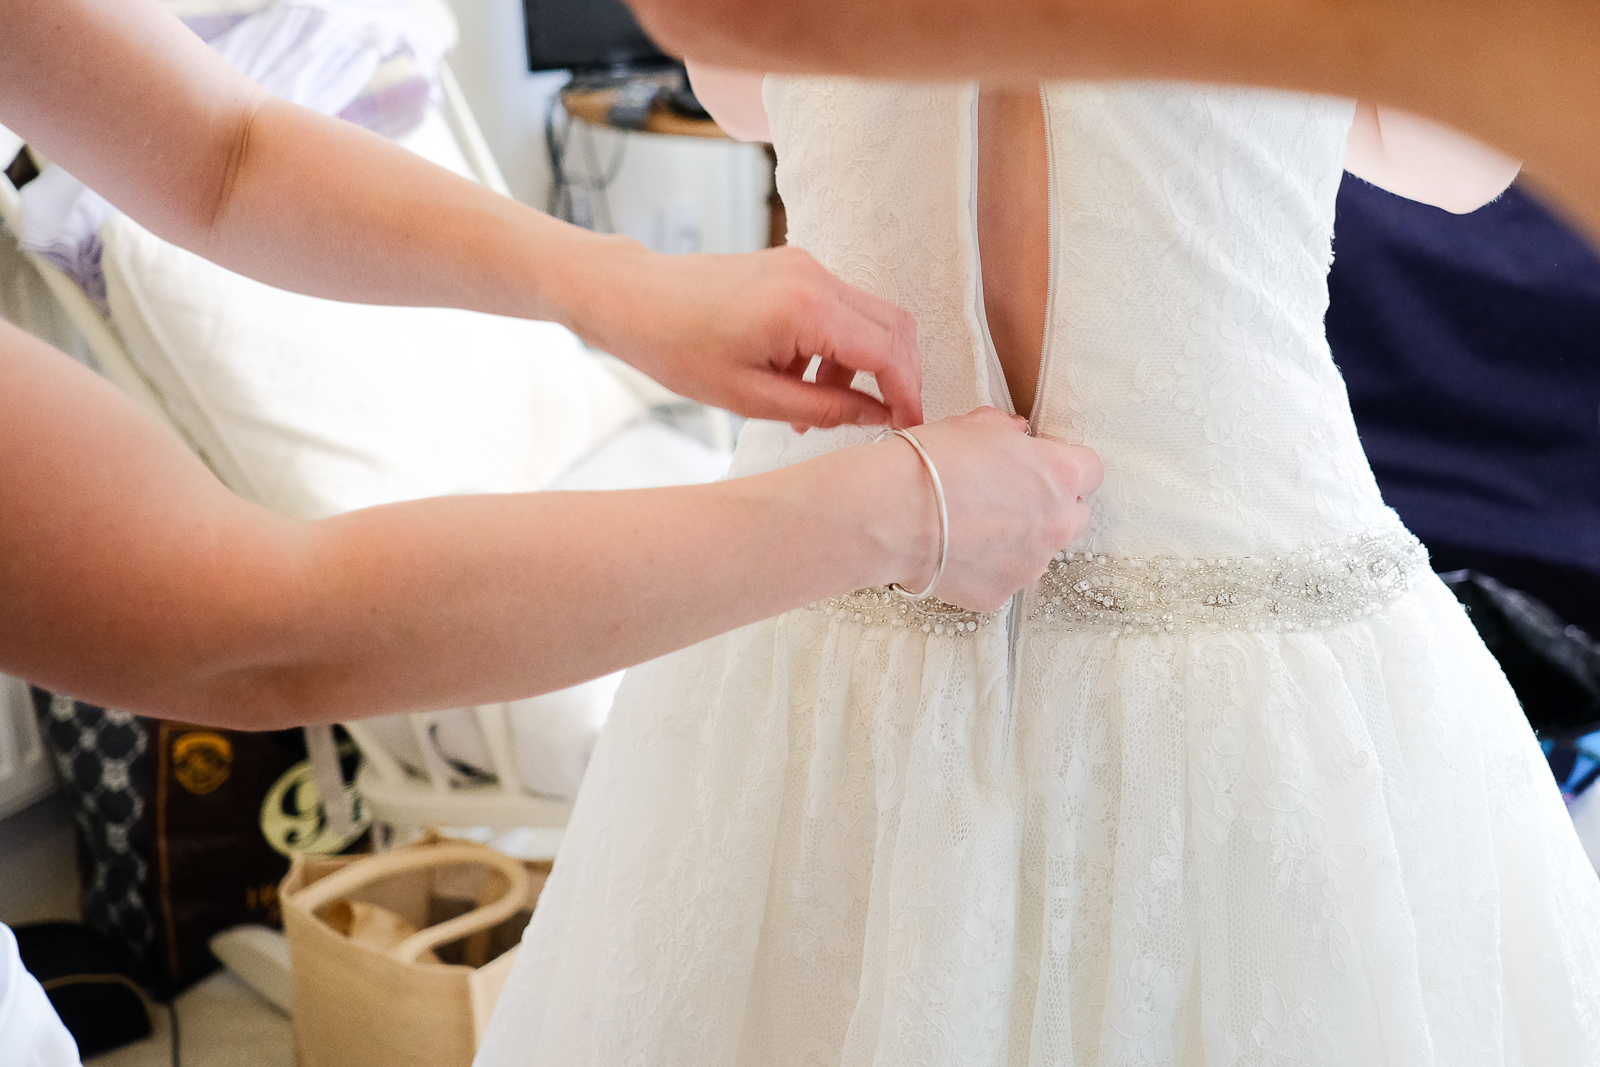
[(586, 35)]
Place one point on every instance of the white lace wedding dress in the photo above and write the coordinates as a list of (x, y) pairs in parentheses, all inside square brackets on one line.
[(1235, 784)]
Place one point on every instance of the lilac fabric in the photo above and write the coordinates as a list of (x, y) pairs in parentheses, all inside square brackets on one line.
[(61, 220)]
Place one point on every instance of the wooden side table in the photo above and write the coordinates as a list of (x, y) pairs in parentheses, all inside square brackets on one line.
[(594, 107)]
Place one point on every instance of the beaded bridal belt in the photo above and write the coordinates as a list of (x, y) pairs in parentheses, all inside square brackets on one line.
[(1304, 590)]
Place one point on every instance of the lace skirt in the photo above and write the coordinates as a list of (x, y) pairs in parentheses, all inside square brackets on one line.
[(831, 838)]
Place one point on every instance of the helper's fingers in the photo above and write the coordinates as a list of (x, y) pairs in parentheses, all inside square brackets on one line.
[(987, 413), (832, 373), (863, 333), (1091, 467), (804, 405), (899, 370)]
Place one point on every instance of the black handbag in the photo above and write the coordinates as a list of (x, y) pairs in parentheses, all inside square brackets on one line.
[(1553, 667), (90, 981)]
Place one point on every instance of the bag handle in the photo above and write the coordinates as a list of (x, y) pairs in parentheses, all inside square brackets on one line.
[(383, 864)]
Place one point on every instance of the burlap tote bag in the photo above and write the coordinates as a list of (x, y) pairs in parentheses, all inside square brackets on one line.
[(398, 958)]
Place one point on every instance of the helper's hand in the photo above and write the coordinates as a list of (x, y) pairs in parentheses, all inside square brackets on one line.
[(739, 331), (1014, 502)]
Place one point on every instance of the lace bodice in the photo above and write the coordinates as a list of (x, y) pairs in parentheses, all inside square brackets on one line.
[(1190, 245)]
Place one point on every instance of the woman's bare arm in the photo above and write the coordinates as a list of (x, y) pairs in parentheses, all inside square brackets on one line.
[(131, 577), (128, 100), (1522, 76), (1424, 161)]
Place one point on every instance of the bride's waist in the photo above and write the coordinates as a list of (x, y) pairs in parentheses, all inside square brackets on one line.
[(1308, 588), (1262, 504), (1164, 499)]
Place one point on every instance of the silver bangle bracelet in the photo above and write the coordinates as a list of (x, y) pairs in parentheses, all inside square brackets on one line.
[(944, 517)]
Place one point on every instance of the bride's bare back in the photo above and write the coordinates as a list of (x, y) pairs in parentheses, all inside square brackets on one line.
[(1014, 232)]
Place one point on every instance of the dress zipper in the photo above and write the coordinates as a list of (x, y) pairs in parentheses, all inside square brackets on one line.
[(1050, 265), (1016, 608)]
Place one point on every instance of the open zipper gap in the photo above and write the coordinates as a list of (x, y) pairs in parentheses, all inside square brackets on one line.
[(996, 369)]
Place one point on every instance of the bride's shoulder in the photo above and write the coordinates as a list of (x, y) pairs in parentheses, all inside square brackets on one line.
[(733, 98), (1421, 160)]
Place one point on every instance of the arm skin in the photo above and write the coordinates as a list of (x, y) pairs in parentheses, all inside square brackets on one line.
[(1522, 75), (131, 577), (128, 100)]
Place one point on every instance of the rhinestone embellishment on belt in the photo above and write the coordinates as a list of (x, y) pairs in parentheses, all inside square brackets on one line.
[(1304, 590), (882, 606)]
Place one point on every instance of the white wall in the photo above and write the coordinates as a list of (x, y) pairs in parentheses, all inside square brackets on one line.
[(38, 860), (668, 188), (38, 864), (491, 64), (26, 772)]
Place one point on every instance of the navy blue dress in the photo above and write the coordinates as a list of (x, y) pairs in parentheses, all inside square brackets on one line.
[(1471, 348)]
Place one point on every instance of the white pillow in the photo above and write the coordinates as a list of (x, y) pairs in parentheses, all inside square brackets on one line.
[(313, 407)]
